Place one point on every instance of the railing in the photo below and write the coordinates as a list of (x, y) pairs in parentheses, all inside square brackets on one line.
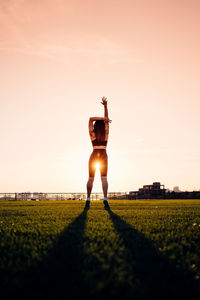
[(60, 196)]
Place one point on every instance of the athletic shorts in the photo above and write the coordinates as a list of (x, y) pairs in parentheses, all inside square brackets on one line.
[(98, 156)]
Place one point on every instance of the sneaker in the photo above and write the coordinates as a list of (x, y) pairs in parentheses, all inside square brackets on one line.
[(106, 205), (87, 204)]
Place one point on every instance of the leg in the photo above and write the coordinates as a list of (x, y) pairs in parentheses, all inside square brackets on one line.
[(104, 186), (89, 187), (105, 190), (90, 180), (104, 168)]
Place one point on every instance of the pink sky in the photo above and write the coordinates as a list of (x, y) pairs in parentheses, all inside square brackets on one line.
[(58, 58)]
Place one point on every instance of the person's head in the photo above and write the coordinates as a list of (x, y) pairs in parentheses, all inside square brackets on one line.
[(99, 129)]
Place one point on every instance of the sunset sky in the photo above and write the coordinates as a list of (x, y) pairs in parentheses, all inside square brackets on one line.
[(59, 57)]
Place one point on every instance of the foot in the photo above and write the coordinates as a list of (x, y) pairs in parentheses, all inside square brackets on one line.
[(87, 204), (106, 205)]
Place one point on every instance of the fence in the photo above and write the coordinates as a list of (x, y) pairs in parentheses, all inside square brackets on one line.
[(60, 196)]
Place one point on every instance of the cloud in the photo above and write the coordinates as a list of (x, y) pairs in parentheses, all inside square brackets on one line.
[(26, 27), (96, 50)]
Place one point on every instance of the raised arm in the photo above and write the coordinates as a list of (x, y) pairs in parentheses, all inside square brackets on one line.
[(92, 119), (107, 121), (104, 102)]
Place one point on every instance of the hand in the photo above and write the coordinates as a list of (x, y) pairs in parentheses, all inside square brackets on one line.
[(104, 101), (107, 120)]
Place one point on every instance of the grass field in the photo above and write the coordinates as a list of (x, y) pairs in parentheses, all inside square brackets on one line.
[(137, 250)]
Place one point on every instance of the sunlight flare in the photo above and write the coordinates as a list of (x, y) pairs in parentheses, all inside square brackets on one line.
[(97, 166)]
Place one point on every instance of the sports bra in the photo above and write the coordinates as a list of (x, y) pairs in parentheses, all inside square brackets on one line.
[(99, 145)]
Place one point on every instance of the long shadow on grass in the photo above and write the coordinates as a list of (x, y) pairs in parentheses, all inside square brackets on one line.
[(127, 267), (155, 276), (59, 275)]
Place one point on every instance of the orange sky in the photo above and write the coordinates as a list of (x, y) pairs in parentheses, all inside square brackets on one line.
[(58, 58)]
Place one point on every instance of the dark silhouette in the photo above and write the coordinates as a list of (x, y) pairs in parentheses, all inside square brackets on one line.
[(59, 275), (155, 274), (69, 271), (99, 138)]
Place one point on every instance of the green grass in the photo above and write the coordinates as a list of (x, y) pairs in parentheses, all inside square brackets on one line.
[(138, 249)]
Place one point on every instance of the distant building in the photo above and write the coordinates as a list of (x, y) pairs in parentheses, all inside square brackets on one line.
[(176, 189), (152, 191)]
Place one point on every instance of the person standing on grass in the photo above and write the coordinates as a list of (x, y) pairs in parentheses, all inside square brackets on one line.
[(99, 138)]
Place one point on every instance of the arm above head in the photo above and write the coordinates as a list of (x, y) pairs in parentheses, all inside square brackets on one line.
[(92, 119), (107, 121), (105, 102)]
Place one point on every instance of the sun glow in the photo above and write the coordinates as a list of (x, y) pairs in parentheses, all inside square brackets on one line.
[(97, 166), (97, 183)]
